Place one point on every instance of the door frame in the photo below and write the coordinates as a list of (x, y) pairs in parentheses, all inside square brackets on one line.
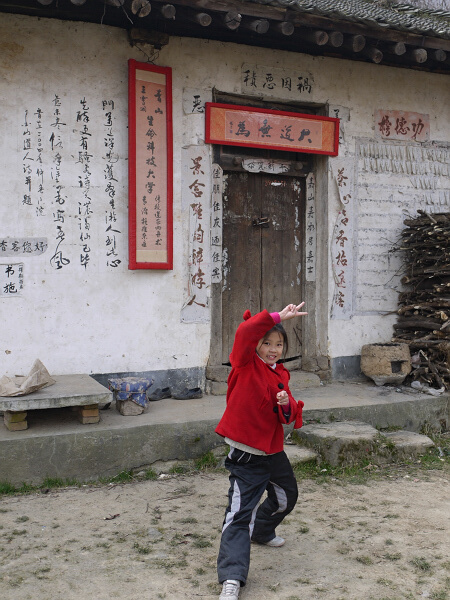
[(315, 325)]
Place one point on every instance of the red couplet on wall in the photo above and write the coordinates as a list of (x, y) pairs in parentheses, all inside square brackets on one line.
[(279, 130), (150, 185)]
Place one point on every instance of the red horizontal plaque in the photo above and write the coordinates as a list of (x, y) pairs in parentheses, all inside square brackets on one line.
[(150, 215), (259, 128)]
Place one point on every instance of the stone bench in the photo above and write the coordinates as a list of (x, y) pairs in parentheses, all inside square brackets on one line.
[(79, 391)]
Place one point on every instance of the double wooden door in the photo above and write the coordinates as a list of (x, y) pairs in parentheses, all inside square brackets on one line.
[(263, 240)]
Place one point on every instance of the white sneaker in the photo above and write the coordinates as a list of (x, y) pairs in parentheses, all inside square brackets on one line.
[(276, 542), (230, 590)]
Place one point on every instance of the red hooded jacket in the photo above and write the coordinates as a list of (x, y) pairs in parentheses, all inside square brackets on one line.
[(249, 417)]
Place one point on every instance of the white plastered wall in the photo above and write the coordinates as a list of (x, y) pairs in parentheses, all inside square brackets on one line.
[(101, 319)]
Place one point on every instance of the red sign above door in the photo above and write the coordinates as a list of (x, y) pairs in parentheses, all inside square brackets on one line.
[(279, 130)]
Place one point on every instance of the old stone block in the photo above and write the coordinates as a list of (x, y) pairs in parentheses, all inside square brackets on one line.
[(309, 364), (19, 426), (88, 420), (88, 412), (128, 408), (323, 363), (14, 417), (218, 373), (217, 388)]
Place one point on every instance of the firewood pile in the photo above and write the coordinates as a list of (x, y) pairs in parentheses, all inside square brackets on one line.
[(424, 313)]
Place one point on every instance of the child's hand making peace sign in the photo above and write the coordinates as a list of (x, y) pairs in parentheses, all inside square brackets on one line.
[(291, 311)]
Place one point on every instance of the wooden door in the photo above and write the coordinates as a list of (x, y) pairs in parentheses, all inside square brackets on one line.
[(263, 225)]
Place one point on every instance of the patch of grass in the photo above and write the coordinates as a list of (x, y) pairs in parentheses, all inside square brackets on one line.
[(122, 477), (364, 560), (142, 549), (303, 529), (393, 556), (7, 488), (439, 595), (150, 474), (421, 564), (179, 469), (23, 519), (187, 520), (200, 571), (207, 461), (201, 542)]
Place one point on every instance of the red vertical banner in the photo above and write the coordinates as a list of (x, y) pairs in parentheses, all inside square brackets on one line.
[(150, 175)]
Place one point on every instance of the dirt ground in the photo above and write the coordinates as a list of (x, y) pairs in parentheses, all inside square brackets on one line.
[(382, 540)]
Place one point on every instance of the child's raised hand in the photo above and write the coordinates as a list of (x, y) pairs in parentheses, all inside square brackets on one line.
[(291, 311)]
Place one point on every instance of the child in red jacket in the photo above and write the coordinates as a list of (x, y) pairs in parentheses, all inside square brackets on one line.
[(259, 402)]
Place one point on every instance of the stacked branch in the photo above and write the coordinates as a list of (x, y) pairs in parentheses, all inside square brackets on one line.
[(424, 313)]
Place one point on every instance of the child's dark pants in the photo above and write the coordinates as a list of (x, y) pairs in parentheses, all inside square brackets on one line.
[(250, 476)]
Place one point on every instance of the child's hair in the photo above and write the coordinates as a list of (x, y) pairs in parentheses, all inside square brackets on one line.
[(280, 329)]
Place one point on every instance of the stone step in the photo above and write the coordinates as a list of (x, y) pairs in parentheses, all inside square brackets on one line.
[(348, 442)]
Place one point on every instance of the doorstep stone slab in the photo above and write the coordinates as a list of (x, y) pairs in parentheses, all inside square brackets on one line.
[(409, 442), (68, 390), (341, 442), (298, 454)]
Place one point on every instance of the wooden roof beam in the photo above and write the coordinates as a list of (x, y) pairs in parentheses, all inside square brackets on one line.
[(232, 20), (202, 19), (168, 11), (140, 8), (355, 43), (260, 26)]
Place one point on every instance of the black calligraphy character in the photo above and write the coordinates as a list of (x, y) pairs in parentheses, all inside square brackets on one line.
[(250, 78), (269, 82), (265, 128), (10, 288), (197, 104), (286, 133), (242, 130), (303, 85), (9, 270), (303, 134), (158, 95), (286, 83)]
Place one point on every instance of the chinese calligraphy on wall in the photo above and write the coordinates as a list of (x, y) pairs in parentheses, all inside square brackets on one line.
[(283, 83), (11, 280), (401, 125), (196, 200), (61, 160), (150, 191), (216, 223), (342, 242), (311, 231)]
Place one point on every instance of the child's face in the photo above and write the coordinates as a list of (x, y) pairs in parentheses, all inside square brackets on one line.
[(270, 347)]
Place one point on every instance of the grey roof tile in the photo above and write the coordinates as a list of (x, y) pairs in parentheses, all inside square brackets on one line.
[(376, 13)]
